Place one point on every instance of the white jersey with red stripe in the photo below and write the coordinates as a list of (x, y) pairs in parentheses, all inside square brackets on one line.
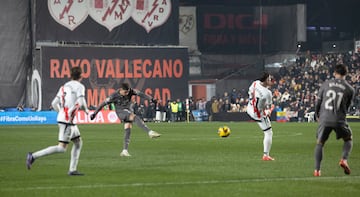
[(69, 99), (260, 98)]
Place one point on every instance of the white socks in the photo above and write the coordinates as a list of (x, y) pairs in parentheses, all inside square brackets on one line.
[(48, 151), (267, 141), (75, 154)]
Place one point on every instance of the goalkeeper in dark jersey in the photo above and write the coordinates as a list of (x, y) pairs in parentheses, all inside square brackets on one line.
[(121, 98), (334, 99)]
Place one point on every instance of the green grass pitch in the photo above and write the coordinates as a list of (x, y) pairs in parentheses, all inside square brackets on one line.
[(189, 159)]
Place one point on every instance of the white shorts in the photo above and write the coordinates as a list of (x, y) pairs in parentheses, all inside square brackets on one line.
[(68, 132), (263, 122)]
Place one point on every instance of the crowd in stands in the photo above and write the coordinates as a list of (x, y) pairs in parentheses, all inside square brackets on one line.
[(297, 86), (295, 91)]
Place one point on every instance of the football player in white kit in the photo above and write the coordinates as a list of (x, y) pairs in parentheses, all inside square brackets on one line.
[(259, 108), (69, 99)]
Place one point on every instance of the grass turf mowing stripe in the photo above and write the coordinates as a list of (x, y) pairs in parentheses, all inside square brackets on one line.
[(332, 179)]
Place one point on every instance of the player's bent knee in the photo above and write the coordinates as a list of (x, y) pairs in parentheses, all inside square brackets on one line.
[(132, 117), (128, 125), (60, 148), (77, 142), (76, 139), (62, 145)]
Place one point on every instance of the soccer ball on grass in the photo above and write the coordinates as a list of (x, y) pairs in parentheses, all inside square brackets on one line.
[(224, 131)]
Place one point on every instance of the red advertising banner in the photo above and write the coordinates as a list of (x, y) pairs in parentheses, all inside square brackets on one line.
[(161, 72), (102, 117)]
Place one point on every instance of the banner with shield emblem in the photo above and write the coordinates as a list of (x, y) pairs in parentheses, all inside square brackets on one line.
[(130, 22)]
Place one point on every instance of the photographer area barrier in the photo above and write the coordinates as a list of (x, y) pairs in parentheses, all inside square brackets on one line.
[(230, 116), (110, 117), (49, 117), (27, 117)]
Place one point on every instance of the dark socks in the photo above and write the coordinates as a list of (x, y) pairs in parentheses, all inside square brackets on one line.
[(318, 155), (141, 124)]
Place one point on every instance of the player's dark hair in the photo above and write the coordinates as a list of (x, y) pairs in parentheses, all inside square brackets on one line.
[(264, 76), (75, 73), (125, 86), (341, 69)]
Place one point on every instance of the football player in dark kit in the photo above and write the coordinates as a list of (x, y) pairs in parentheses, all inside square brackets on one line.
[(334, 99), (121, 98)]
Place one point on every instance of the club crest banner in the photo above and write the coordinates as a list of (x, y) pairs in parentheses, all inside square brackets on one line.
[(108, 21)]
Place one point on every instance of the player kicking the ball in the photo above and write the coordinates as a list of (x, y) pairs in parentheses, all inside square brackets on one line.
[(259, 108), (123, 106)]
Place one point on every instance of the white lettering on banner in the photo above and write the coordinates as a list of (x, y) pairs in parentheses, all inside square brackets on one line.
[(99, 117), (110, 13), (103, 116), (23, 119), (81, 118)]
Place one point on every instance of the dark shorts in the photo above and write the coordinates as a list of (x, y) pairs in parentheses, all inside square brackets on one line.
[(342, 131), (124, 115)]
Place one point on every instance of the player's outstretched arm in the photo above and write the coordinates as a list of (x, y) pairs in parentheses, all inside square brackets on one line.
[(106, 102)]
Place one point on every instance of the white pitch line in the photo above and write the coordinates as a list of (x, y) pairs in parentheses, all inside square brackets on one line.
[(234, 136), (334, 179), (217, 138)]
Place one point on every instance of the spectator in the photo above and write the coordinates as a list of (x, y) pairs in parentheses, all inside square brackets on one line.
[(215, 106), (234, 96), (159, 109), (181, 110), (227, 106), (174, 111)]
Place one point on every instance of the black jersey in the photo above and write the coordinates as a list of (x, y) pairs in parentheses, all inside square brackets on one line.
[(334, 99), (120, 101), (124, 102)]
